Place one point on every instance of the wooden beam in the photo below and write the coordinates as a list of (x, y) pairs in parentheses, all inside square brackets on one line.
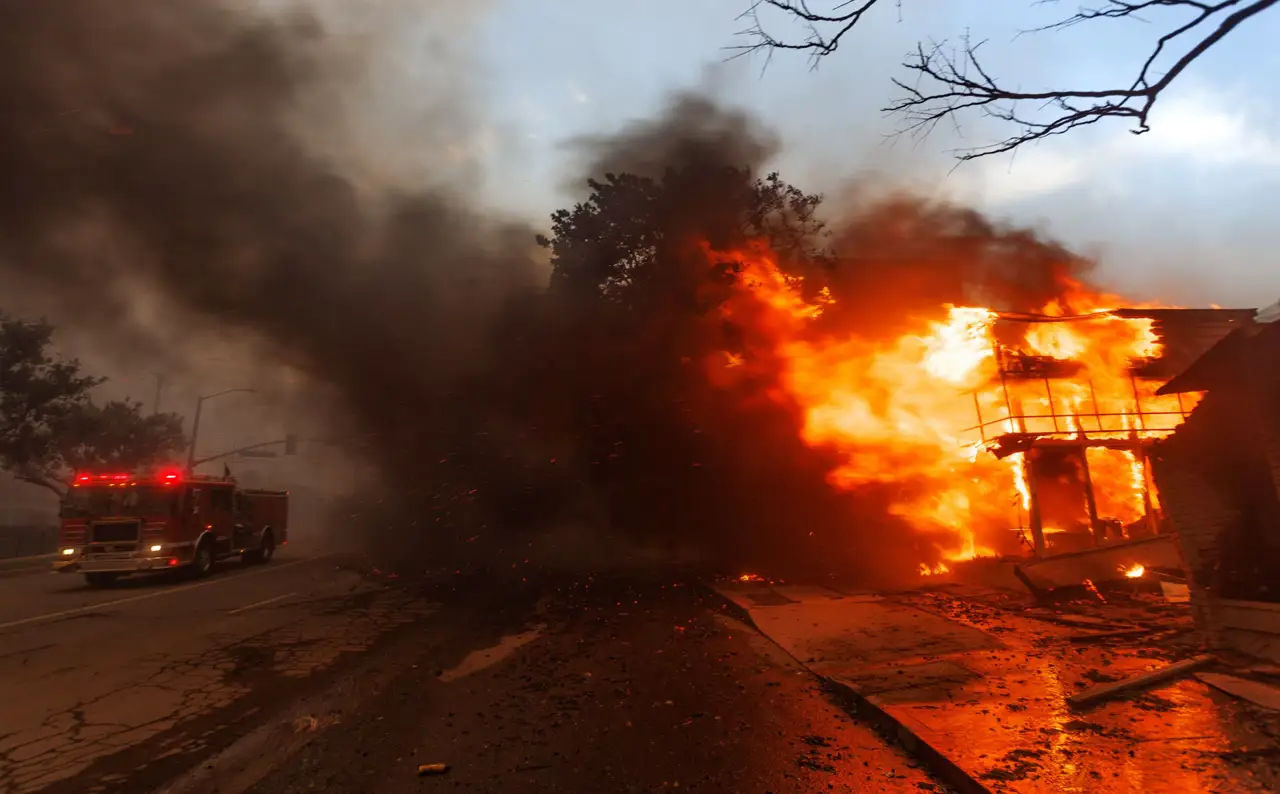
[(1168, 673), (1090, 499), (1034, 518), (1036, 590)]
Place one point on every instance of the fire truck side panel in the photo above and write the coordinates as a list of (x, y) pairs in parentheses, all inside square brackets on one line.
[(220, 518), (269, 509)]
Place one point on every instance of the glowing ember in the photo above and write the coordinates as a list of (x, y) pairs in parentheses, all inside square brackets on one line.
[(905, 412), (1134, 571), (936, 570), (750, 577)]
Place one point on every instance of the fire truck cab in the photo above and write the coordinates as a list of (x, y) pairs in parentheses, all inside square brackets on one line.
[(121, 523)]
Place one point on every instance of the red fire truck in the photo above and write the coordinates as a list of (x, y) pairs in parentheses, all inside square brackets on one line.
[(115, 524)]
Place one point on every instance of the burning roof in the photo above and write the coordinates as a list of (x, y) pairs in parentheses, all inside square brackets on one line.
[(1220, 362)]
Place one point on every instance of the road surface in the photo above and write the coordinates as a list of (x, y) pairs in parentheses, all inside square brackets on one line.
[(323, 674)]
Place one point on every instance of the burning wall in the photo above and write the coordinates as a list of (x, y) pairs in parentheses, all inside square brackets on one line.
[(1222, 468), (1221, 475), (986, 427)]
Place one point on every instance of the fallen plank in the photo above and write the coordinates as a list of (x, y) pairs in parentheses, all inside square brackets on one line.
[(1253, 691), (1037, 592), (1078, 621), (1109, 635), (1108, 691)]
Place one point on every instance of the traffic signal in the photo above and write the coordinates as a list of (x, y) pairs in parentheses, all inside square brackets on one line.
[(291, 444)]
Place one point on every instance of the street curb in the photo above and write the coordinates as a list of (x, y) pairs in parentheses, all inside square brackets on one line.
[(911, 737), (728, 605), (866, 708)]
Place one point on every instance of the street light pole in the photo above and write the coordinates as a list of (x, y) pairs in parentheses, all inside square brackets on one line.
[(195, 421), (155, 407)]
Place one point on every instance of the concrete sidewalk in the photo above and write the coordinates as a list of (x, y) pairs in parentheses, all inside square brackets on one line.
[(978, 694)]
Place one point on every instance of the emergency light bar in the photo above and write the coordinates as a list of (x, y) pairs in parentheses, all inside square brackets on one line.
[(166, 477)]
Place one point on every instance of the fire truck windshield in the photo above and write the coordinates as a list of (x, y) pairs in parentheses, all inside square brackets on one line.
[(103, 500)]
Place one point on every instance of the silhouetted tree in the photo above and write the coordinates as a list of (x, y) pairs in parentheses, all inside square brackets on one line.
[(49, 426)]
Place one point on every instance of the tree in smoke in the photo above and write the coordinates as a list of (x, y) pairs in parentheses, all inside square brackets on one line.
[(950, 81), (117, 435), (49, 426), (635, 296), (628, 239)]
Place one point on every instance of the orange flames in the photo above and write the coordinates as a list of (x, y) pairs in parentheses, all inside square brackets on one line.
[(905, 412)]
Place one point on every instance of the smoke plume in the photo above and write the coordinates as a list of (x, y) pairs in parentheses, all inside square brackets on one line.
[(218, 156), (165, 147)]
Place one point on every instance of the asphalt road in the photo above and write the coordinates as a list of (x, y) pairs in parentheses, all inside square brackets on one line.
[(323, 674)]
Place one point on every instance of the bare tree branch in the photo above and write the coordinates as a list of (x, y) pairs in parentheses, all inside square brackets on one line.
[(949, 81), (817, 42)]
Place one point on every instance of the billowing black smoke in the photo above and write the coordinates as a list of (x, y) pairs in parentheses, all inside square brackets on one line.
[(156, 145)]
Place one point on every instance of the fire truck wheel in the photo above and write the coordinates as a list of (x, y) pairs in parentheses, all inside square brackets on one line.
[(101, 578), (262, 554), (202, 565)]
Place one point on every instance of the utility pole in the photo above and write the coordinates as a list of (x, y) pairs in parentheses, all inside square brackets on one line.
[(195, 421), (155, 406)]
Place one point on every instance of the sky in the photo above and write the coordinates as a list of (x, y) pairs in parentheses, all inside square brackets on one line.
[(1180, 214)]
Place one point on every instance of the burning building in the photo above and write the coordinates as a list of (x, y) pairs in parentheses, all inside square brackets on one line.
[(1074, 403), (988, 433), (1220, 476)]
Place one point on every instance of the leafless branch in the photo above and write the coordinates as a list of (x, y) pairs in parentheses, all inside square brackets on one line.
[(816, 42), (949, 81)]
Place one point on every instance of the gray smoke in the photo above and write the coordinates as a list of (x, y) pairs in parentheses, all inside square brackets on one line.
[(692, 130), (206, 152)]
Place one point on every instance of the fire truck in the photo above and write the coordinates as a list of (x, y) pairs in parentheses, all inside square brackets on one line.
[(114, 524)]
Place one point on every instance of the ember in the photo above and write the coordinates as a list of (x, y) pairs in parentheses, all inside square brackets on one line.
[(935, 570), (750, 577), (1135, 571), (981, 420)]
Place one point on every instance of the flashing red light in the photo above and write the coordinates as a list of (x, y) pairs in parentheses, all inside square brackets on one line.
[(83, 478), (173, 562)]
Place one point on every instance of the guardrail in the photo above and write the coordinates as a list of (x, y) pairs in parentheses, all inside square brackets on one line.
[(27, 541)]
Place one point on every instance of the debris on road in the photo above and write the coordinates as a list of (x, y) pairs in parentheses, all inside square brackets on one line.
[(428, 770), (979, 676), (1098, 636), (302, 724), (1255, 692), (1150, 678)]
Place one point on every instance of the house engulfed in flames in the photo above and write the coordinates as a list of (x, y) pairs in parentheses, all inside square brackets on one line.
[(990, 433), (1071, 404)]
